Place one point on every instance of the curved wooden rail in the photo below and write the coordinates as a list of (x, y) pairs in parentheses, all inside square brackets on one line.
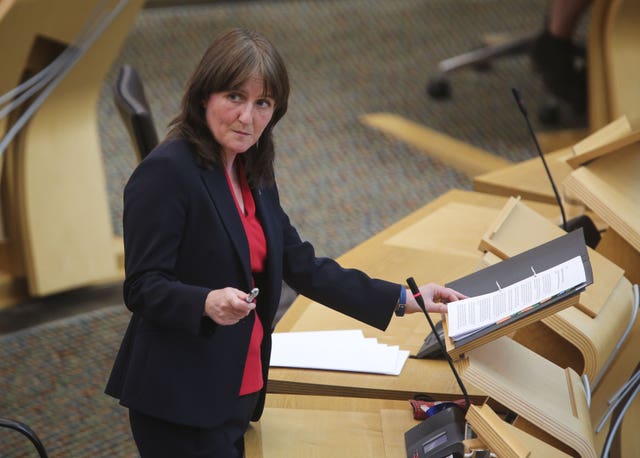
[(57, 224), (613, 62)]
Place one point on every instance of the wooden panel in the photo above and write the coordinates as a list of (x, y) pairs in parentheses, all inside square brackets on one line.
[(612, 61), (536, 389), (618, 250), (610, 186), (59, 199), (526, 179), (506, 440), (317, 426), (599, 111), (588, 150), (622, 367), (621, 59), (455, 153), (315, 433)]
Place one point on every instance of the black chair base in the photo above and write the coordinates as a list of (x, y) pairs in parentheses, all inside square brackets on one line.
[(25, 431)]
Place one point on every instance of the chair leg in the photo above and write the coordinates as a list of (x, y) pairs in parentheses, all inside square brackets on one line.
[(28, 432), (517, 45), (438, 86)]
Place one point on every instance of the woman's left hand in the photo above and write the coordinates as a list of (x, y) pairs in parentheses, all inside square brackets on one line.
[(435, 297)]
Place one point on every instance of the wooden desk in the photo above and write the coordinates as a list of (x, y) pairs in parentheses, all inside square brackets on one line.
[(527, 179), (432, 244), (315, 426)]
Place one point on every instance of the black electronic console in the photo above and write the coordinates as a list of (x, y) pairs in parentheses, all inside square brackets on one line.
[(431, 348), (442, 433), (438, 436)]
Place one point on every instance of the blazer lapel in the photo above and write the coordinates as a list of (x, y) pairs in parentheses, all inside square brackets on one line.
[(216, 184)]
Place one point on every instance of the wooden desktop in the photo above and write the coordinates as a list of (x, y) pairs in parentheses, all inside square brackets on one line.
[(418, 246)]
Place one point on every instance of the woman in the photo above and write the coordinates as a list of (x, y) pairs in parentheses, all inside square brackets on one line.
[(202, 227)]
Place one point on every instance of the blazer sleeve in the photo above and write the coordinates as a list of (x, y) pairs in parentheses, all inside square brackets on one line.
[(156, 201), (349, 291)]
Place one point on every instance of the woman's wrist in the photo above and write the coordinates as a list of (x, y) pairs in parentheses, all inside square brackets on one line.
[(401, 305)]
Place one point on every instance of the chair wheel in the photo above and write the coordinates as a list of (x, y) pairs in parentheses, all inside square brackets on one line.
[(482, 66), (549, 113), (439, 88)]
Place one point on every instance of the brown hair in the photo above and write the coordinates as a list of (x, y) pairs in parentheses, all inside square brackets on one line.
[(229, 62)]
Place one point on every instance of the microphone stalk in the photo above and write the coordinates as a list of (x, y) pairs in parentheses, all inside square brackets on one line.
[(516, 95), (418, 296)]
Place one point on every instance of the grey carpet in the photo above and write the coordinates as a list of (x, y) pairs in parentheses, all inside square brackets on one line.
[(340, 180)]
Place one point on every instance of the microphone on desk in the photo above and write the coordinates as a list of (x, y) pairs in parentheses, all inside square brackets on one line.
[(418, 296), (591, 233), (441, 434)]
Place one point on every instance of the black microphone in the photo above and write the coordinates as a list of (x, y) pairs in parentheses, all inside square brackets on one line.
[(591, 233), (523, 109), (418, 296)]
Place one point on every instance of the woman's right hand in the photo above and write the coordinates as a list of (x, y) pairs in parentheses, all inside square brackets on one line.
[(227, 306)]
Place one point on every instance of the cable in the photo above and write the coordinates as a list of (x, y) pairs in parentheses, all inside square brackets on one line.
[(616, 425), (634, 315), (53, 65), (30, 111)]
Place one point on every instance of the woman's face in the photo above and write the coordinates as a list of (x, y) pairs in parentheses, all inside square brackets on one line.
[(237, 118)]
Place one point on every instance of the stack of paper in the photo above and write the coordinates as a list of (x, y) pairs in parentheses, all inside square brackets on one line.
[(336, 350), (469, 316), (523, 289)]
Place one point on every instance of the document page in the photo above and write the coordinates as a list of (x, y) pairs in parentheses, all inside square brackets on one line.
[(343, 350), (475, 313)]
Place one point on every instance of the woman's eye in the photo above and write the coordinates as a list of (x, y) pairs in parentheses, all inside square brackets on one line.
[(233, 96), (265, 103)]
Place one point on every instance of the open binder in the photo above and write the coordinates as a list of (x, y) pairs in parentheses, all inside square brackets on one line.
[(513, 270)]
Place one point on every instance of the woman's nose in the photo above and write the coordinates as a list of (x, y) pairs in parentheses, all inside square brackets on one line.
[(245, 113)]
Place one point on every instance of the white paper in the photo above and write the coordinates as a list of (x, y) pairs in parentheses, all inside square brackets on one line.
[(470, 315), (336, 350)]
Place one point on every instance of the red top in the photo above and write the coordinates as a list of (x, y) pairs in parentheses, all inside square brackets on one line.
[(252, 379)]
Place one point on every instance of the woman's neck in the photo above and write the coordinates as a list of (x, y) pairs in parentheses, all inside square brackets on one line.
[(230, 164), (234, 178)]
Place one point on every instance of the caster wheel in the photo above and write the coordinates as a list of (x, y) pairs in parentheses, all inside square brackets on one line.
[(439, 88), (482, 66)]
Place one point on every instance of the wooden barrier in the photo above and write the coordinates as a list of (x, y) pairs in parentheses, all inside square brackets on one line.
[(57, 231)]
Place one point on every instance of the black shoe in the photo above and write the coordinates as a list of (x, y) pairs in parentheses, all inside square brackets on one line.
[(562, 66)]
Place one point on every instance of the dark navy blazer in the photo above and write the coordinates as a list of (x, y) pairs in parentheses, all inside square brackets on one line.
[(183, 237)]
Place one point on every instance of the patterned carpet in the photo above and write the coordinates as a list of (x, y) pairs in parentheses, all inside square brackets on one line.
[(53, 379), (340, 181)]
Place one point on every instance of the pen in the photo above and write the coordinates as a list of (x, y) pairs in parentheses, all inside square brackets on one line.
[(252, 295)]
